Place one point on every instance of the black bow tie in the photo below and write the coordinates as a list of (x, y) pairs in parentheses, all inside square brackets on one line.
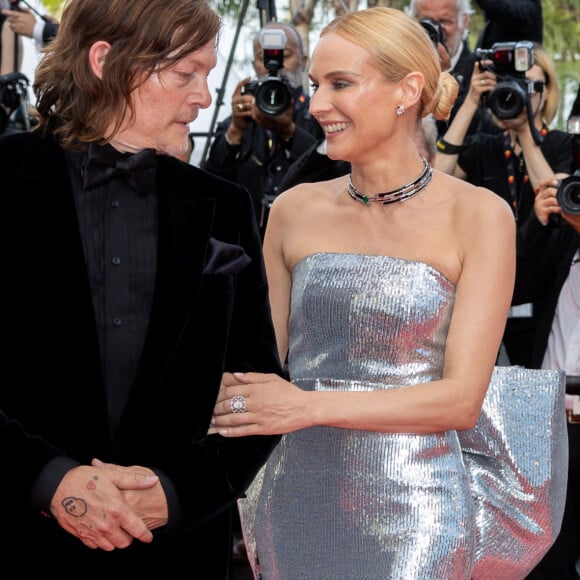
[(103, 162)]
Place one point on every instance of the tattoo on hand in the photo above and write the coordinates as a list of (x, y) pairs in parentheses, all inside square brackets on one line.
[(75, 506)]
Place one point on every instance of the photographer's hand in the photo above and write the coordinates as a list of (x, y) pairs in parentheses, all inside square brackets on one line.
[(241, 114), (483, 80), (546, 203), (449, 146)]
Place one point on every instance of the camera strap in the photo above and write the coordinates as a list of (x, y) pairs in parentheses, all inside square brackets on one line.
[(515, 178)]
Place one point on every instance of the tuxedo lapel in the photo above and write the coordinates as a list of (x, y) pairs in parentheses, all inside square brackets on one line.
[(184, 228)]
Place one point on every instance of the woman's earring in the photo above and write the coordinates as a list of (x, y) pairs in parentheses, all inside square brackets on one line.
[(400, 110)]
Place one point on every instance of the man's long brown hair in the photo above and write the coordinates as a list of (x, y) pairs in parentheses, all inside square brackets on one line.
[(146, 36)]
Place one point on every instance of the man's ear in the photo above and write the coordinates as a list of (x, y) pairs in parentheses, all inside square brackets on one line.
[(97, 55)]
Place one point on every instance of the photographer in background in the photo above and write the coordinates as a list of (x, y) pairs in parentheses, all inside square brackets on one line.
[(256, 149), (453, 18), (548, 273), (513, 162)]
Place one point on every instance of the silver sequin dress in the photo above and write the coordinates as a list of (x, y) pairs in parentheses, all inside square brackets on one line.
[(344, 504)]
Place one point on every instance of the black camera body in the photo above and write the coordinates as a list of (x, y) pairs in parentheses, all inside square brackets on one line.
[(272, 93), (510, 61), (568, 194), (434, 30)]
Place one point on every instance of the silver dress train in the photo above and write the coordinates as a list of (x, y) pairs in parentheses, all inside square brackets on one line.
[(356, 505)]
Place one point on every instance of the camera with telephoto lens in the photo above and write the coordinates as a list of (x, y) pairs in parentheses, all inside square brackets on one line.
[(510, 61), (272, 93), (568, 194), (434, 30)]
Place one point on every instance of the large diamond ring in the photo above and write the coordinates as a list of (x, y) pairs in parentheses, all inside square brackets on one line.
[(240, 107), (238, 404)]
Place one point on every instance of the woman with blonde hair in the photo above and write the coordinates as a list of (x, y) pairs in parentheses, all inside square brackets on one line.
[(389, 288)]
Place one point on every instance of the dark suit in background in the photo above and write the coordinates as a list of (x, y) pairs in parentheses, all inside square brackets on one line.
[(261, 161), (256, 148)]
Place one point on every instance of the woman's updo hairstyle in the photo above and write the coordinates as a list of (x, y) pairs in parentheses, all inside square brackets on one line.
[(399, 45)]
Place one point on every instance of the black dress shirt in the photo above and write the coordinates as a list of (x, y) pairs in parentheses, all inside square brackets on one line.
[(118, 228)]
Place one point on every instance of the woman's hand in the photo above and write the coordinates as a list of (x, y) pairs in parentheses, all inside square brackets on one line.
[(258, 404)]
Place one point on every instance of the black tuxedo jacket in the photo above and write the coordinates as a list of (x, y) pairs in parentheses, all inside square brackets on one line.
[(210, 313)]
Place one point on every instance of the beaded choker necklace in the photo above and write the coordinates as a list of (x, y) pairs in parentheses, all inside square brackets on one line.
[(399, 194)]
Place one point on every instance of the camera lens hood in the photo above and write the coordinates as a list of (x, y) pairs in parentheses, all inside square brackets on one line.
[(273, 96), (508, 99)]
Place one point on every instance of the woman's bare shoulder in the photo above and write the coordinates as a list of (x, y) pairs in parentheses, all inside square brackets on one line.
[(469, 197), (308, 194), (478, 216)]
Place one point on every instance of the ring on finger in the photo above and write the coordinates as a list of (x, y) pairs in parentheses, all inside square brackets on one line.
[(238, 404), (240, 107)]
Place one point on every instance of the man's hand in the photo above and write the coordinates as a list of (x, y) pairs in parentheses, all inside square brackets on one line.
[(149, 504), (89, 504)]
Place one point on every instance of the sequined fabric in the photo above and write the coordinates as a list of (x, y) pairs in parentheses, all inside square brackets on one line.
[(354, 505), (517, 460)]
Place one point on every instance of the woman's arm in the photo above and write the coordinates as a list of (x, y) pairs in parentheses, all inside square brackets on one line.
[(485, 241)]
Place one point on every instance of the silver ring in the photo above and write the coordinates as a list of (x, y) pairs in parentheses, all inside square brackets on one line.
[(482, 82), (238, 404), (240, 107)]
